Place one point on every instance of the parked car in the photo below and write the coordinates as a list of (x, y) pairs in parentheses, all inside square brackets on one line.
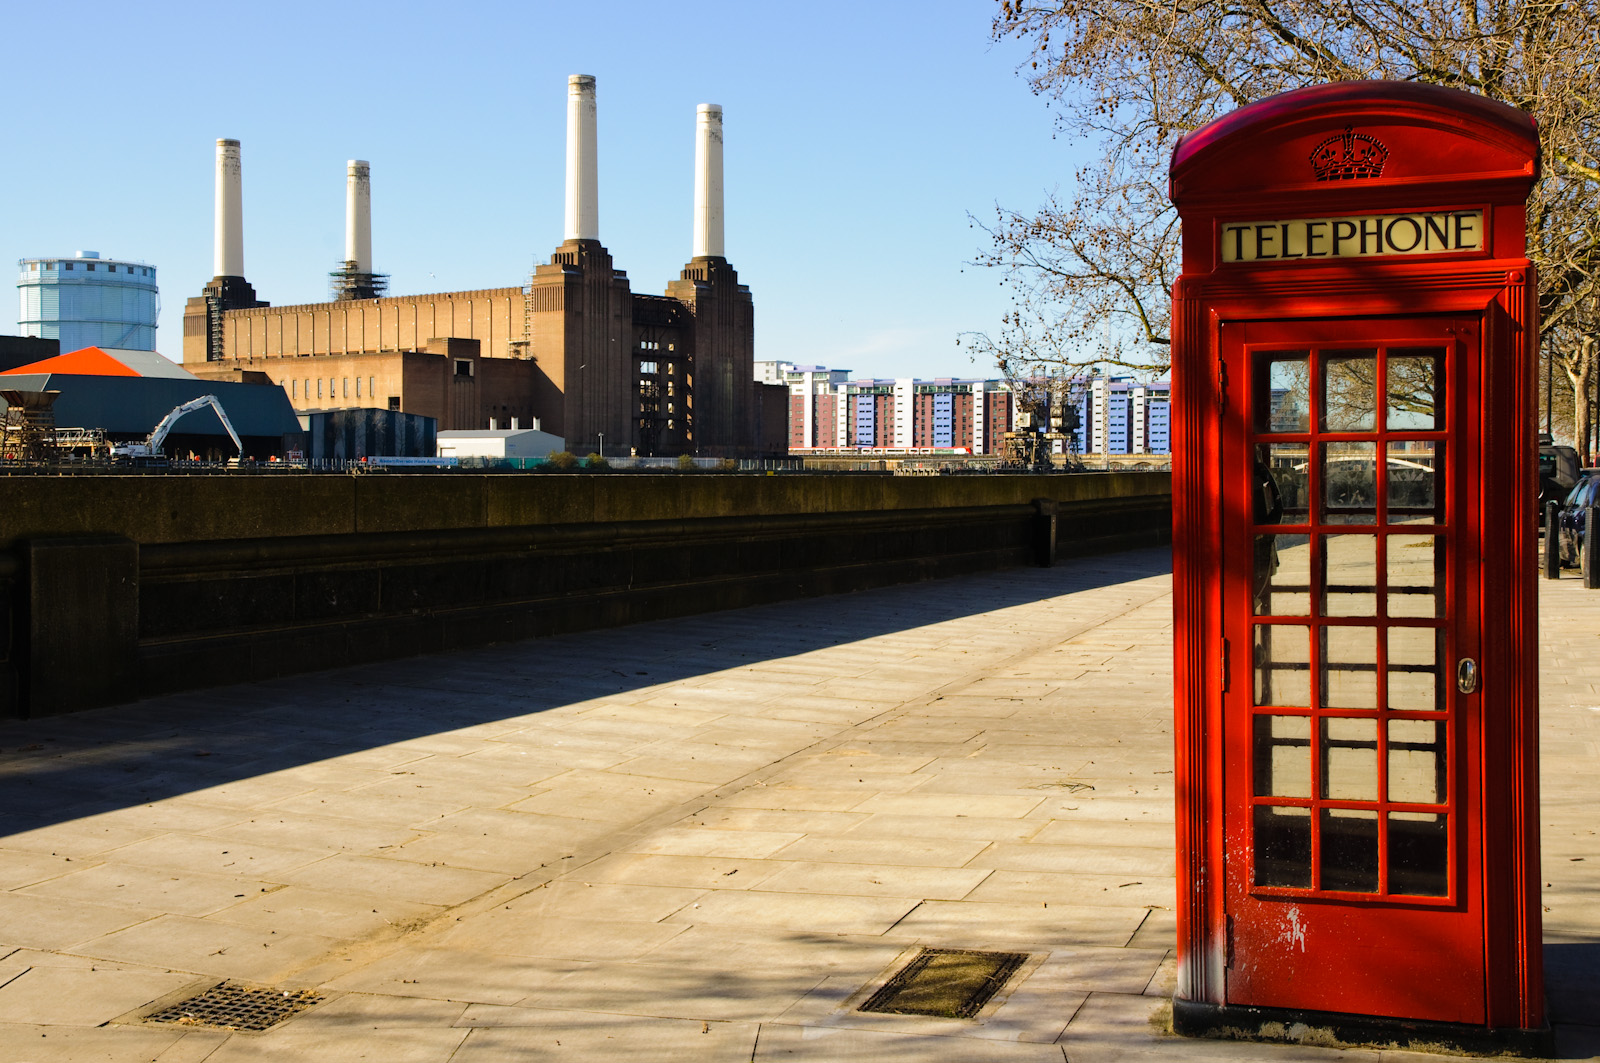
[(1574, 510), (1558, 473)]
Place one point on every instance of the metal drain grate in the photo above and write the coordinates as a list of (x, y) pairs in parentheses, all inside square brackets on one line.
[(237, 1007), (947, 983)]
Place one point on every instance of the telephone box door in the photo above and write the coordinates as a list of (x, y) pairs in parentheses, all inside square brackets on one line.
[(1350, 600)]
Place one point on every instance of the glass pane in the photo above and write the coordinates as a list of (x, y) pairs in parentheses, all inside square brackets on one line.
[(1416, 762), (1282, 665), (1349, 759), (1349, 668), (1349, 391), (1283, 846), (1282, 391), (1350, 575), (1419, 854), (1349, 483), (1414, 669), (1410, 468), (1283, 756), (1288, 465), (1416, 388), (1413, 566), (1350, 850), (1283, 575)]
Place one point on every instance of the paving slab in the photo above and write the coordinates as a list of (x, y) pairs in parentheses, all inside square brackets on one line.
[(468, 975), (343, 914), (157, 889), (702, 872), (293, 1044), (975, 924), (49, 923), (877, 880), (394, 878), (817, 913), (74, 996), (780, 1042), (916, 852), (182, 943), (531, 1034), (43, 1043), (540, 933)]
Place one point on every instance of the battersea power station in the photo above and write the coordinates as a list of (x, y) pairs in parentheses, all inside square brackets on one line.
[(574, 352)]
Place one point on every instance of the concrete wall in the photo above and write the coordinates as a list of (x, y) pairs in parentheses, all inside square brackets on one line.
[(206, 580)]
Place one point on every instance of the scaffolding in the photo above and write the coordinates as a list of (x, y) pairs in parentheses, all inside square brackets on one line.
[(348, 282), (29, 432), (91, 441), (523, 348), (214, 347)]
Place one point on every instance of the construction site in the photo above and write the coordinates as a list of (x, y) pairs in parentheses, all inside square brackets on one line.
[(97, 406)]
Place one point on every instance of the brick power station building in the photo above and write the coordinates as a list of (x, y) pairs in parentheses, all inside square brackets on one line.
[(574, 352)]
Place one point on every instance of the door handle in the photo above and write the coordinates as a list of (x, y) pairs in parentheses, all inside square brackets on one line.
[(1467, 675)]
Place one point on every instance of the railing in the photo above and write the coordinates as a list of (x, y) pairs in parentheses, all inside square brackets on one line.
[(76, 464)]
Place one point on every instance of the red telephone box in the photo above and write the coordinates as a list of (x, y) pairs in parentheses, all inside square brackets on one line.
[(1356, 675)]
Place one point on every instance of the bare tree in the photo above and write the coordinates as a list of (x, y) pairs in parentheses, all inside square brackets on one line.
[(1091, 272)]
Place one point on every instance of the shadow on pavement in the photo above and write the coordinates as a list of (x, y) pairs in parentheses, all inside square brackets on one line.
[(67, 767)]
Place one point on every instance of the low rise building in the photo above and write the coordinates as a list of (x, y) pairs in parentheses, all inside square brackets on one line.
[(499, 443), (830, 411)]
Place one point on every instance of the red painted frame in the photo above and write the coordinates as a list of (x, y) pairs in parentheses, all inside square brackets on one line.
[(1447, 150)]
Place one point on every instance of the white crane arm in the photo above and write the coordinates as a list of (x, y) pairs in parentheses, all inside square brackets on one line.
[(159, 436), (223, 417)]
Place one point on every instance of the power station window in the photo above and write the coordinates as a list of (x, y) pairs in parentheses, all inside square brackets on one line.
[(463, 367), (394, 403)]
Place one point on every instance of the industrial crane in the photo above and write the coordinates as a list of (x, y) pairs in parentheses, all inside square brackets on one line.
[(151, 447)]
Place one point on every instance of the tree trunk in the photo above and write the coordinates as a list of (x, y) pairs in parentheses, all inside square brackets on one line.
[(1580, 369)]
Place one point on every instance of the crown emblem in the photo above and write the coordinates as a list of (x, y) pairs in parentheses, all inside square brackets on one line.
[(1346, 156)]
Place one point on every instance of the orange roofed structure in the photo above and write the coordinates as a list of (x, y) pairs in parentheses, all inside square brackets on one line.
[(106, 361)]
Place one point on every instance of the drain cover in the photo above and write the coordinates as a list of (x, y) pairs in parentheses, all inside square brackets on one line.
[(237, 1007), (948, 983)]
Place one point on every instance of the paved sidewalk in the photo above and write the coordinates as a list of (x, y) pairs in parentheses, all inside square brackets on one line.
[(700, 840)]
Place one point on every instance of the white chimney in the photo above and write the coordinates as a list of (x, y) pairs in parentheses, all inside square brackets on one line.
[(708, 182), (229, 247), (583, 182), (358, 215)]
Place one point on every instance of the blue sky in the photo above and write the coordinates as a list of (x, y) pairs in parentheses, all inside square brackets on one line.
[(859, 136)]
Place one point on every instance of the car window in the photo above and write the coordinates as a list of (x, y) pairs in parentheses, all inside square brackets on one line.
[(1579, 490)]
